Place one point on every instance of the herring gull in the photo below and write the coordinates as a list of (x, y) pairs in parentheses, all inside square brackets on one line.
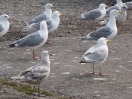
[(120, 19), (34, 40), (95, 14), (52, 23), (109, 31), (129, 5), (44, 16), (97, 53), (4, 24), (117, 6)]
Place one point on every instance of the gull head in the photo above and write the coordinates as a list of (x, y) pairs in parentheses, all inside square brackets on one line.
[(102, 41), (57, 14), (103, 6), (43, 25), (115, 12), (49, 6), (124, 8), (45, 55), (5, 17)]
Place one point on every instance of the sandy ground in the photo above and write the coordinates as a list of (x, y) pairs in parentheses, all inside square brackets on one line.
[(71, 79), (68, 77)]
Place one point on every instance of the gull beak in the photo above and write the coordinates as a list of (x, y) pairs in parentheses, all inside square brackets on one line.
[(62, 14), (106, 6), (53, 7), (11, 19), (108, 41), (50, 54), (120, 12)]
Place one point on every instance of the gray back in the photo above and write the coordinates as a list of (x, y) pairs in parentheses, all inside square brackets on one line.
[(102, 32)]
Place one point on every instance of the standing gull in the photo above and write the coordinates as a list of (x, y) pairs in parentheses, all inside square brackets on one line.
[(97, 53), (34, 40), (96, 14), (4, 24), (52, 23), (44, 16), (117, 6), (129, 4), (120, 19), (36, 74), (109, 31)]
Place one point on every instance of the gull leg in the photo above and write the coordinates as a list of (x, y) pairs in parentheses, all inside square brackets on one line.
[(93, 70), (38, 91), (101, 72), (35, 57), (95, 25), (34, 90), (48, 41)]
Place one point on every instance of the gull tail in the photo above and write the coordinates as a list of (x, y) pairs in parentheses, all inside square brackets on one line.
[(88, 38), (12, 45), (82, 61), (85, 39), (15, 78)]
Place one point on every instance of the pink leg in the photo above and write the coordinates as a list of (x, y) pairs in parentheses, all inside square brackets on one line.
[(95, 25), (35, 57), (101, 73), (48, 41), (93, 70)]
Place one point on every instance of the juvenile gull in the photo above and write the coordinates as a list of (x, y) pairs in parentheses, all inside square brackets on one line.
[(109, 31), (96, 14), (44, 16), (36, 74), (117, 6), (34, 40), (97, 53)]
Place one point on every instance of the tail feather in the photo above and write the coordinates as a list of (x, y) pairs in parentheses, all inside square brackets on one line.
[(15, 78), (83, 61), (87, 38), (12, 45)]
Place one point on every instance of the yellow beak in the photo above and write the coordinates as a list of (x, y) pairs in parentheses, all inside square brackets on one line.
[(120, 12), (108, 41), (62, 14), (53, 7), (10, 19), (106, 6)]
